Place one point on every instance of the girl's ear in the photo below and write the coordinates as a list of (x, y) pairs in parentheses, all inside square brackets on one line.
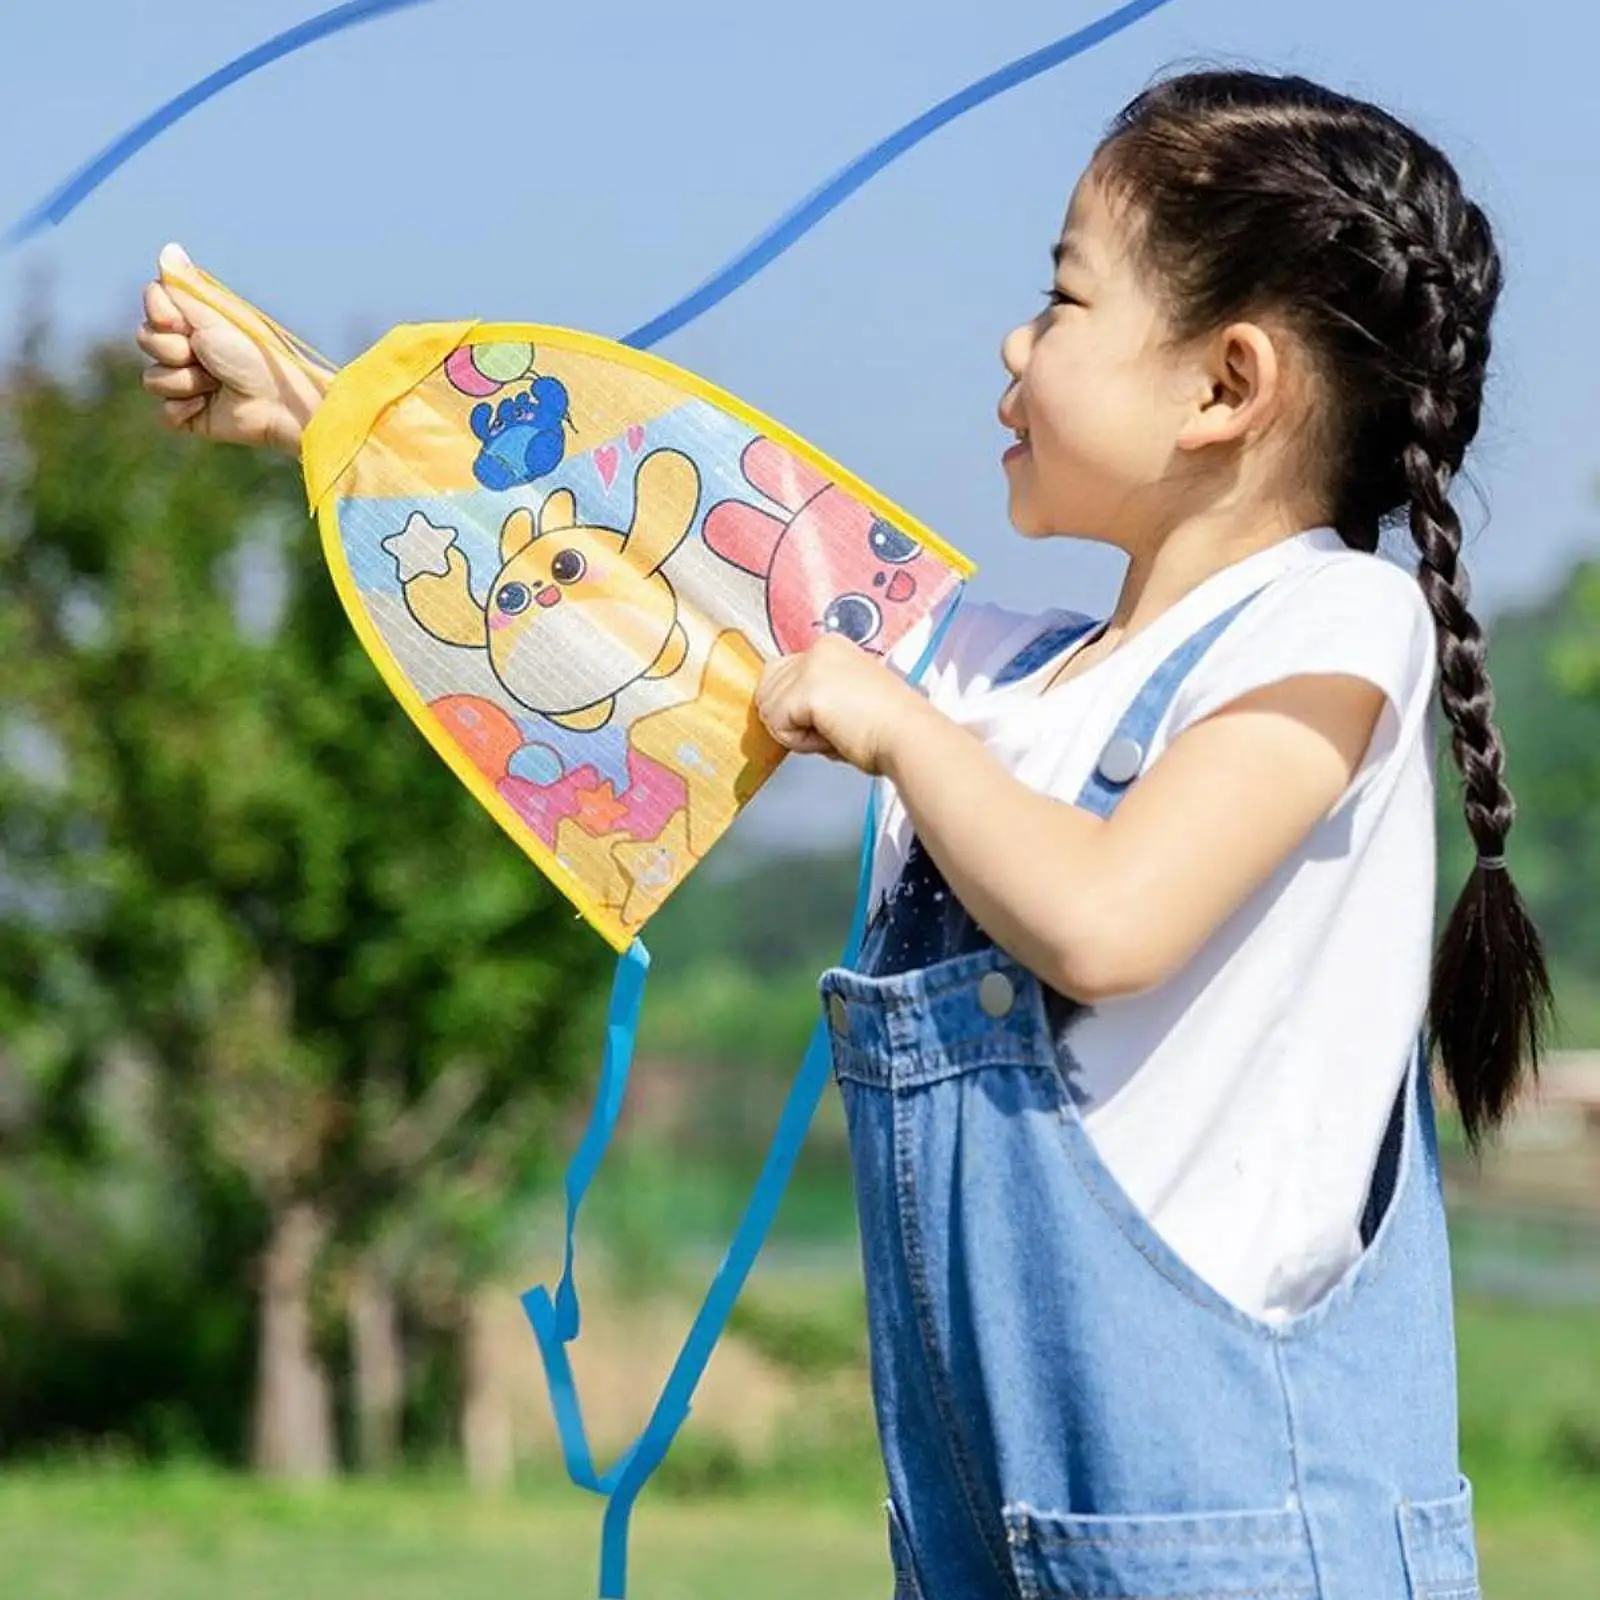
[(1241, 387)]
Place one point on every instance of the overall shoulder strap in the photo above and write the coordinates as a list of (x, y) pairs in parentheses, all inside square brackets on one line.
[(1123, 758), (1043, 647)]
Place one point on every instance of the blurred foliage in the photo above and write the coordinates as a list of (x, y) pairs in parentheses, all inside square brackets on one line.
[(258, 948), (810, 1331), (780, 913), (1530, 1387)]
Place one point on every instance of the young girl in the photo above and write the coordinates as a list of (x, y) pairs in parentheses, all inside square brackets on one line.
[(1155, 1251)]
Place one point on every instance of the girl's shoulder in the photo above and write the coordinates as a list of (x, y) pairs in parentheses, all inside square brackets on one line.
[(1337, 611), (981, 640), (1348, 602), (1329, 572)]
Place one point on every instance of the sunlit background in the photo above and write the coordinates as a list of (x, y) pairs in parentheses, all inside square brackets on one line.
[(291, 1047)]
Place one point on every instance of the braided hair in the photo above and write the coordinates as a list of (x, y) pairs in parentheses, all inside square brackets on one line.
[(1257, 193)]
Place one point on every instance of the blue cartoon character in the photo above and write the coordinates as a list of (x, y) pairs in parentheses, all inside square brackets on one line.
[(523, 437)]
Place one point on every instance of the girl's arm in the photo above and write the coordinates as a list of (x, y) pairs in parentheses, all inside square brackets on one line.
[(1099, 907)]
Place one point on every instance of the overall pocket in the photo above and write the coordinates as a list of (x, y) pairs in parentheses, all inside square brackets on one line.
[(1441, 1552), (1229, 1555)]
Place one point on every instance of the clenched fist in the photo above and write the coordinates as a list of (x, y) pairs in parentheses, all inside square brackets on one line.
[(223, 374)]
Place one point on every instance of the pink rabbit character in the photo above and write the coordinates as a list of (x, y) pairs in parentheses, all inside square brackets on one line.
[(832, 566)]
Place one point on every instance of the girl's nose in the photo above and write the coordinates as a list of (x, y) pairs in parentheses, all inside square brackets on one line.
[(1014, 349)]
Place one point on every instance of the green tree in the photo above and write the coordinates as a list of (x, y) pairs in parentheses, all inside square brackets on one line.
[(229, 856), (1577, 655)]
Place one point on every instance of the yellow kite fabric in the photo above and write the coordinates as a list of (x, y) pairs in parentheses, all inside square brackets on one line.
[(570, 561)]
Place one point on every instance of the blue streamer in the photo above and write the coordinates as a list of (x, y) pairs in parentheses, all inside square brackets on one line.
[(754, 259), (556, 1320), (622, 1029), (62, 201), (794, 226), (630, 1474), (553, 1330)]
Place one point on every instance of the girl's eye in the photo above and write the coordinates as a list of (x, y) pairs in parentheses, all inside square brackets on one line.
[(568, 566), (1059, 297)]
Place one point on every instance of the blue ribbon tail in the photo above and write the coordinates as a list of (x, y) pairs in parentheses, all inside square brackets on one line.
[(796, 223), (673, 1408), (787, 231), (556, 1320), (68, 196), (564, 1405), (629, 1476)]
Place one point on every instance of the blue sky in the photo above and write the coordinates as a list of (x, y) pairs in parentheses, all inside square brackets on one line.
[(585, 165)]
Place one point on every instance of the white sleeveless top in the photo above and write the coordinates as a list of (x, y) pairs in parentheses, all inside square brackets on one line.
[(1242, 1102)]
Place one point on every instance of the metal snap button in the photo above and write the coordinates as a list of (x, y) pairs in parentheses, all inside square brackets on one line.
[(838, 1013), (996, 994), (1121, 760)]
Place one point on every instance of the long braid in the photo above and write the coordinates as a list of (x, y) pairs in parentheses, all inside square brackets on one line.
[(1490, 991), (1491, 987)]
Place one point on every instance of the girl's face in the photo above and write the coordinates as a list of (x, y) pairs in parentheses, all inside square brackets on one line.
[(1099, 392)]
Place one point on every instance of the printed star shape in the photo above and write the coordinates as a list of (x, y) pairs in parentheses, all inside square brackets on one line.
[(654, 867), (598, 810), (420, 547)]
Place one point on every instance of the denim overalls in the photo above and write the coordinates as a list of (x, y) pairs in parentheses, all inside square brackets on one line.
[(1066, 1409)]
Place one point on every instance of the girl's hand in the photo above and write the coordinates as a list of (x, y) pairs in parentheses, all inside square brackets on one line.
[(838, 701), (220, 377)]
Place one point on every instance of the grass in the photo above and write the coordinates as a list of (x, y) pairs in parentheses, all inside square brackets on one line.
[(1530, 1386), (70, 1536), (805, 1527)]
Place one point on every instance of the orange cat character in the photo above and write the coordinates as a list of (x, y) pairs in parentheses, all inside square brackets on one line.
[(576, 613)]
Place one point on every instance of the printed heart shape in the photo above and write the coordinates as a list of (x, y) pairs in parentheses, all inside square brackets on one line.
[(606, 460), (635, 437)]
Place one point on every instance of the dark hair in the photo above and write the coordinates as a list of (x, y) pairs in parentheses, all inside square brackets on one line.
[(1254, 193)]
